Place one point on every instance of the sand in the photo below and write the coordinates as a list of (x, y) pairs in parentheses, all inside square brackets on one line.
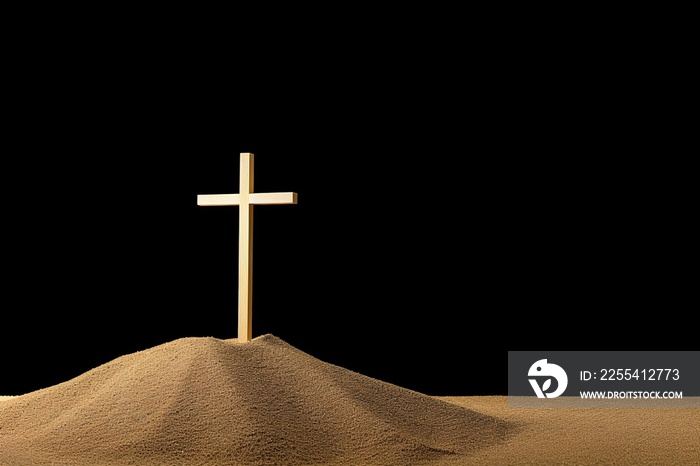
[(207, 401)]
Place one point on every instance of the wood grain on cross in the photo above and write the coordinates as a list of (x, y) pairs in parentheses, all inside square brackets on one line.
[(245, 200)]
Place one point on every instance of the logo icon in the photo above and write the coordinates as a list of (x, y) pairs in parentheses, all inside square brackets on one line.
[(546, 371)]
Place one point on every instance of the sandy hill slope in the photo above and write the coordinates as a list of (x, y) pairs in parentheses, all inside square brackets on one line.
[(206, 401)]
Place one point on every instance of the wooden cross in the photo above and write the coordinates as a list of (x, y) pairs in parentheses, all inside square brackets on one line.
[(245, 200)]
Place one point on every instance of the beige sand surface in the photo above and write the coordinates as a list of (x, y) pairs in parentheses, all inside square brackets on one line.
[(589, 436), (206, 401)]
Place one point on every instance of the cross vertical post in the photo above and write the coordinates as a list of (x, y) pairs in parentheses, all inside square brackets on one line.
[(245, 200), (245, 250)]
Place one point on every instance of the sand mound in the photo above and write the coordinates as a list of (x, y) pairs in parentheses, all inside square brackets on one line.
[(208, 401)]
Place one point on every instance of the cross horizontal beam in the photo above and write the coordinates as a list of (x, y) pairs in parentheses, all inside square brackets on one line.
[(253, 198)]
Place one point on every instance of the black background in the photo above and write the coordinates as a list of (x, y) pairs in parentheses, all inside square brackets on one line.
[(454, 203)]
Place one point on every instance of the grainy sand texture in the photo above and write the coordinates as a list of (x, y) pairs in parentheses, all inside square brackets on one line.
[(207, 401)]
